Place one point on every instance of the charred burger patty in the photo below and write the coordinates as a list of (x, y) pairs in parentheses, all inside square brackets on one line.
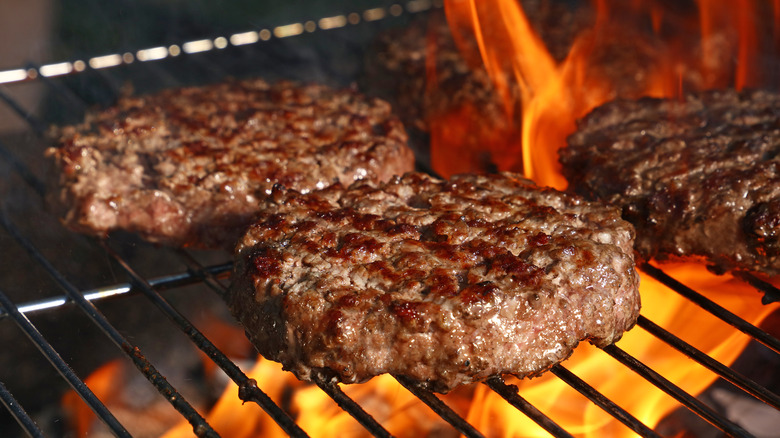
[(447, 282)]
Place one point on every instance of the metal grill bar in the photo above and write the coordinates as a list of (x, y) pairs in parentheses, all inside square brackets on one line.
[(19, 413), (510, 394), (332, 390), (160, 283), (200, 427), (350, 406), (149, 55), (771, 293), (696, 406), (715, 309), (59, 364), (70, 97), (725, 372), (603, 402), (439, 407), (197, 269), (247, 387)]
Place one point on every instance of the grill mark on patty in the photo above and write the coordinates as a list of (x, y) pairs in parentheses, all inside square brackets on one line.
[(694, 175), (373, 284), (266, 263), (207, 156)]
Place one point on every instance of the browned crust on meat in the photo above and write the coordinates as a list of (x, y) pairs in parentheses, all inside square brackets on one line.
[(191, 166), (447, 282), (698, 177)]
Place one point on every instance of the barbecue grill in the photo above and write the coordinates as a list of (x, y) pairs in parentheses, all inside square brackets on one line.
[(58, 287)]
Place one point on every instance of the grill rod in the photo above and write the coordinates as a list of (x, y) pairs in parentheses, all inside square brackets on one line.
[(37, 185), (331, 389), (705, 303), (62, 368), (349, 405), (718, 368), (95, 295), (444, 411), (771, 293), (19, 414), (511, 395), (247, 387), (696, 406), (603, 402), (170, 393), (35, 124)]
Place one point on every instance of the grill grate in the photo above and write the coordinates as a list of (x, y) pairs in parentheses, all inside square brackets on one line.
[(212, 276)]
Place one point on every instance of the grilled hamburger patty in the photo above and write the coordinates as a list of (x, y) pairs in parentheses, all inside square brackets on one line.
[(191, 166), (698, 178), (447, 282)]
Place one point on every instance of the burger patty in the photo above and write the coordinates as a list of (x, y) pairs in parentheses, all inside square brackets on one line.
[(699, 177), (190, 167), (446, 282)]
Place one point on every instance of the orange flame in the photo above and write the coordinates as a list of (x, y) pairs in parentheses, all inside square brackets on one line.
[(720, 21), (138, 408), (400, 412), (102, 382), (553, 95)]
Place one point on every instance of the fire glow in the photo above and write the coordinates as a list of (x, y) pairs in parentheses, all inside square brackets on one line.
[(688, 51), (552, 96)]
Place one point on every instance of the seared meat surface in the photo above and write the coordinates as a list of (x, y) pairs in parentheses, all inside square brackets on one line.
[(447, 282), (699, 177), (190, 167)]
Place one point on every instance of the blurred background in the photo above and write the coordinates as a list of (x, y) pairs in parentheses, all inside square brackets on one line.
[(35, 32)]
